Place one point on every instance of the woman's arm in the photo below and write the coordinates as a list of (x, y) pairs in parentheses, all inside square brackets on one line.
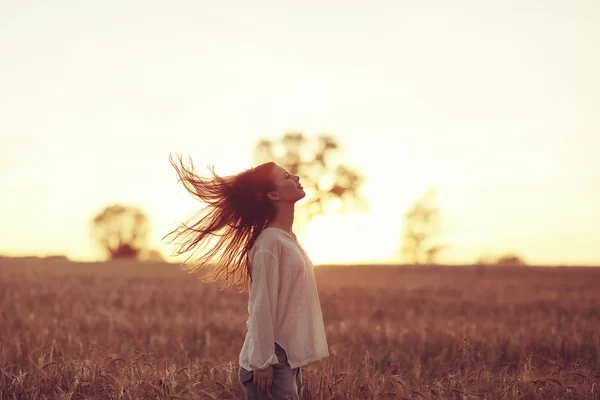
[(263, 309)]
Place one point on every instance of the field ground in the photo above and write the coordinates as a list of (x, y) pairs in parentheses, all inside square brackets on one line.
[(147, 330)]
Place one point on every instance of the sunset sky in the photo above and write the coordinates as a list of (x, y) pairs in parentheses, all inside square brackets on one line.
[(494, 103)]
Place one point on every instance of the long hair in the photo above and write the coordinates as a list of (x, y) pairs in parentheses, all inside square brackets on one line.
[(223, 232)]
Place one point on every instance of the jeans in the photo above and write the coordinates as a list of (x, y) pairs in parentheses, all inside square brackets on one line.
[(287, 382)]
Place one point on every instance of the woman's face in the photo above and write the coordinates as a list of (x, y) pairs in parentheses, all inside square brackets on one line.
[(287, 187)]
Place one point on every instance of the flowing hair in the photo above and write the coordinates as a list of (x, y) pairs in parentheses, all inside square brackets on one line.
[(222, 233)]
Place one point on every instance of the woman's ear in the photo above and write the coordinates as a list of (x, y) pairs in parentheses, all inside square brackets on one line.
[(273, 196)]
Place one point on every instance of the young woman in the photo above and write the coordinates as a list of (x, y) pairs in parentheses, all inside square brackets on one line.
[(245, 231)]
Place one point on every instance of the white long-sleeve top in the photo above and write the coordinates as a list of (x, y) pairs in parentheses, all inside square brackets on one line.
[(283, 304)]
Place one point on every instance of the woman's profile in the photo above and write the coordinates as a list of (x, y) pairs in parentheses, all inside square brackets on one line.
[(245, 232)]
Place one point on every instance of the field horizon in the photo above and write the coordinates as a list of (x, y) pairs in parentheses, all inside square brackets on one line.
[(59, 257)]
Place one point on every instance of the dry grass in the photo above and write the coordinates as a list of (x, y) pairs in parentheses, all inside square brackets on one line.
[(122, 330)]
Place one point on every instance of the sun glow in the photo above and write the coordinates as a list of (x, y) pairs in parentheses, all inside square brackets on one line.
[(347, 239)]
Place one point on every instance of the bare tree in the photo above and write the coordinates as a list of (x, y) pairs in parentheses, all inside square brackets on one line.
[(421, 230), (319, 161), (121, 231)]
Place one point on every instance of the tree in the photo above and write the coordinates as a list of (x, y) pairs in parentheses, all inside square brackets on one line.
[(121, 231), (421, 230), (508, 259), (329, 183)]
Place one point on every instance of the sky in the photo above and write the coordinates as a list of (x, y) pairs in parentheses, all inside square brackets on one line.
[(493, 103)]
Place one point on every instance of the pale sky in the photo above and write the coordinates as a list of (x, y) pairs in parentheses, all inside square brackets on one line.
[(494, 103)]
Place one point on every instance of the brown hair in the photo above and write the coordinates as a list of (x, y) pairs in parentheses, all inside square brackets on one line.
[(237, 210)]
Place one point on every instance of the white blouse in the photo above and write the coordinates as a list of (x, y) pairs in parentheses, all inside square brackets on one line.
[(283, 304)]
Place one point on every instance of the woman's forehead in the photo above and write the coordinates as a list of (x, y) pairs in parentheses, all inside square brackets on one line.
[(279, 171)]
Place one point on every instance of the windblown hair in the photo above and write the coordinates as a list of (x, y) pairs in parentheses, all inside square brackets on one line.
[(221, 234)]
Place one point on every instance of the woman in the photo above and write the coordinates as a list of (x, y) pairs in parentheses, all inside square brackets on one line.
[(248, 223)]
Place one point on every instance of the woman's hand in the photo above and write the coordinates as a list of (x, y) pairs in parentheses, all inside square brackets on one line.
[(263, 379)]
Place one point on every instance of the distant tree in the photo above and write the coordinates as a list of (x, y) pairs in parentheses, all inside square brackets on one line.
[(121, 231), (508, 259), (421, 230), (328, 181)]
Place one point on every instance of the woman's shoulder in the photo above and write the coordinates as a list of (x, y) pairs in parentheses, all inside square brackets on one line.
[(272, 240)]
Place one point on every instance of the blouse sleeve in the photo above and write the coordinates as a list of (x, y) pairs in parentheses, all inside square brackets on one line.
[(263, 309)]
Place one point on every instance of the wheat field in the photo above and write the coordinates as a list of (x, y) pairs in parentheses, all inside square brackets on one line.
[(126, 330)]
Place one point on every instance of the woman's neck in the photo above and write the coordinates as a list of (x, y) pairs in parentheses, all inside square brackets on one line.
[(284, 219)]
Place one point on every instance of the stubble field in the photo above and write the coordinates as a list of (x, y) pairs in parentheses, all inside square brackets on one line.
[(125, 330)]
